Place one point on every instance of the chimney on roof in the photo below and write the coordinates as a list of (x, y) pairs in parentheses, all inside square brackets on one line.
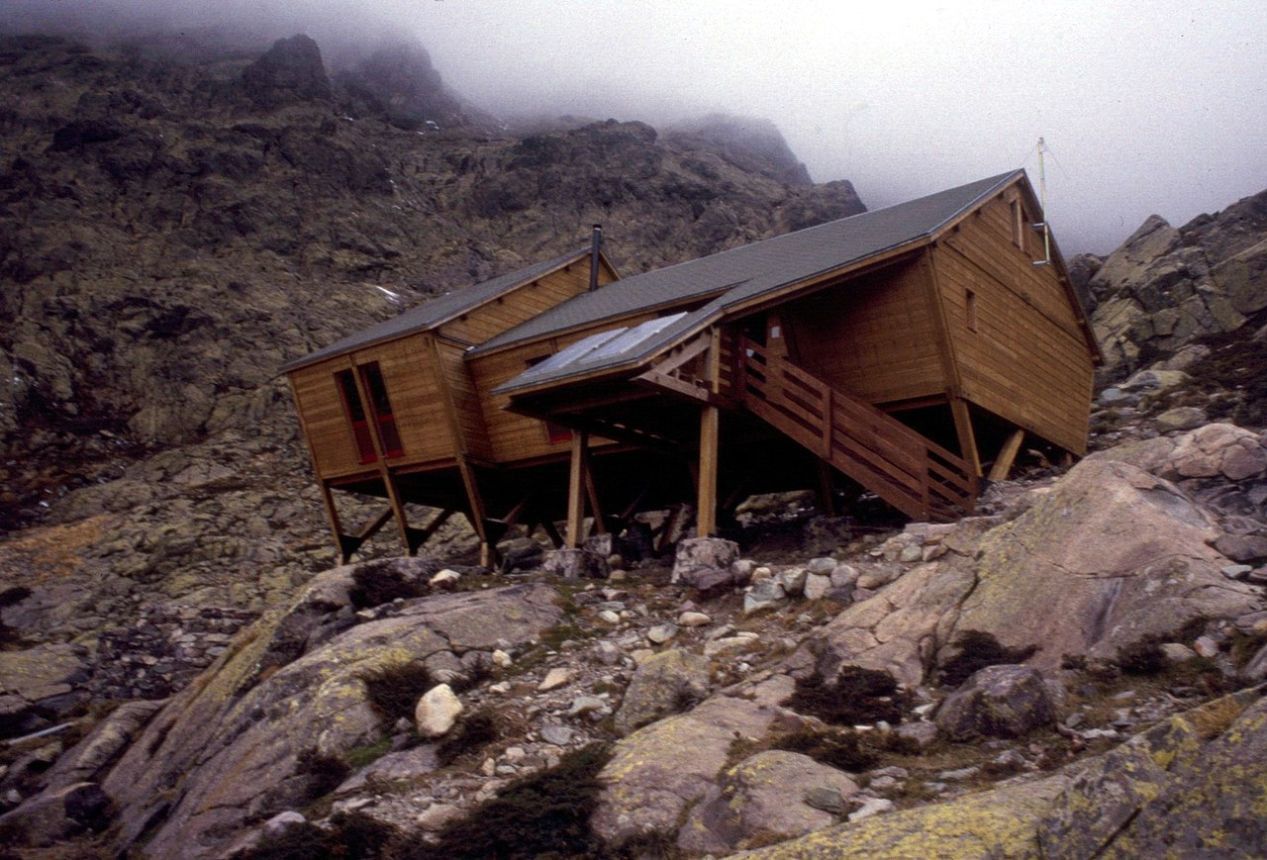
[(596, 245)]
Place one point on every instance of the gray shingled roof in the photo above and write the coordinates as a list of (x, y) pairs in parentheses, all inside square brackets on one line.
[(738, 275), (435, 311)]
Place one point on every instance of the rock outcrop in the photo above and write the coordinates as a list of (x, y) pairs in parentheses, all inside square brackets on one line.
[(1165, 287), (248, 731)]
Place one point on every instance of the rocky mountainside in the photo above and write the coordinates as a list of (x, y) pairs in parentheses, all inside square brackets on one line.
[(173, 227), (182, 674)]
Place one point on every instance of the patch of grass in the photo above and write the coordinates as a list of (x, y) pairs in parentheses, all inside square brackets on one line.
[(359, 757), (352, 836), (324, 772), (376, 584), (839, 749), (1144, 657), (855, 696), (470, 735), (542, 815), (977, 650), (394, 690)]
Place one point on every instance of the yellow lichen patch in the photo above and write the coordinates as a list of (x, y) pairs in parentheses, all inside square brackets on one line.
[(998, 823), (52, 552)]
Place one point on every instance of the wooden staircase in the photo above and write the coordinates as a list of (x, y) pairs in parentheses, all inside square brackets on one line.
[(911, 473)]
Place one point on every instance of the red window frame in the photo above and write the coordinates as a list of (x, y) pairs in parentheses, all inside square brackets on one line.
[(354, 410), (381, 408)]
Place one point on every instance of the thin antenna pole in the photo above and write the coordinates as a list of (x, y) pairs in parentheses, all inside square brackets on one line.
[(1042, 186)]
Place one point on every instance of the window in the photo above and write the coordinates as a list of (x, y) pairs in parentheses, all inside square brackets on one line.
[(381, 406), (970, 307), (355, 411), (1018, 223)]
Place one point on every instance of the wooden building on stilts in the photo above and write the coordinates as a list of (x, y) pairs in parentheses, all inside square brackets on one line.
[(901, 352)]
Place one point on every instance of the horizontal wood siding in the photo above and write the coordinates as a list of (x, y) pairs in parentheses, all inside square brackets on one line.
[(415, 395), (873, 336), (523, 303), (516, 437), (1028, 360), (466, 402), (321, 409)]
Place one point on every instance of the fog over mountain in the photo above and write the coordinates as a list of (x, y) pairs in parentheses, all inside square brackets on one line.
[(1148, 107)]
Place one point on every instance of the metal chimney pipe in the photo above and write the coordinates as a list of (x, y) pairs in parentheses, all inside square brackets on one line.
[(596, 245)]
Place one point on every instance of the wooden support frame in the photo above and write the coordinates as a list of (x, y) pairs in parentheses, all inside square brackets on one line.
[(1007, 456), (389, 483), (710, 423), (963, 430), (576, 489)]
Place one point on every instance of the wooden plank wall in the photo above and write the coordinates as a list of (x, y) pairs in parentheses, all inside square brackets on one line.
[(516, 437), (466, 401), (524, 303), (1028, 361), (873, 336), (412, 387), (319, 405)]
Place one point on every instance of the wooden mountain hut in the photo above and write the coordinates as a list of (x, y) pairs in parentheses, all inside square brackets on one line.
[(898, 352)]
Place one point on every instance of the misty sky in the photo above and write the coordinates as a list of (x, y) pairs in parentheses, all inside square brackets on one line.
[(1148, 106)]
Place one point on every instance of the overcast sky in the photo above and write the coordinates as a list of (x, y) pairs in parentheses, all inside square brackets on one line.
[(1147, 106)]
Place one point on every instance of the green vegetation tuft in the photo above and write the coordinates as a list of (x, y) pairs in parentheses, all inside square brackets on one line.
[(855, 696), (977, 650)]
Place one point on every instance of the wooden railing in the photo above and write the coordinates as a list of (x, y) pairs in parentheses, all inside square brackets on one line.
[(915, 475)]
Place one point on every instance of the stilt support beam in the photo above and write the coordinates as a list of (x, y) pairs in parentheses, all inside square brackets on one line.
[(576, 489), (967, 438), (1007, 456), (706, 501)]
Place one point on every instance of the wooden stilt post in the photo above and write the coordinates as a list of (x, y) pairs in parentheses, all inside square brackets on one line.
[(389, 484), (826, 501), (706, 503), (576, 489), (596, 510), (1007, 456), (963, 429)]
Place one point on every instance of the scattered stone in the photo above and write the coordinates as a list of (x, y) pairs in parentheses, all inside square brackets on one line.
[(793, 581), (997, 701), (1180, 418), (729, 643), (959, 774), (555, 678), (693, 619), (438, 815), (871, 806), (924, 734), (1236, 571), (446, 579), (583, 705), (437, 711), (817, 586), (661, 633), (501, 659), (1242, 548), (560, 736), (761, 574), (764, 594), (1177, 652), (608, 616), (573, 563), (822, 566), (696, 555), (1205, 646), (825, 798), (283, 821), (55, 816), (663, 684)]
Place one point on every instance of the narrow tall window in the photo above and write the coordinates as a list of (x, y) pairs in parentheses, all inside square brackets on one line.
[(381, 407), (355, 412), (1018, 224), (970, 309)]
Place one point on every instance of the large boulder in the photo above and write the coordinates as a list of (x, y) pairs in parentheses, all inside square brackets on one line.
[(231, 749), (998, 702), (699, 557), (665, 683), (56, 816), (1112, 555), (659, 772), (762, 797)]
